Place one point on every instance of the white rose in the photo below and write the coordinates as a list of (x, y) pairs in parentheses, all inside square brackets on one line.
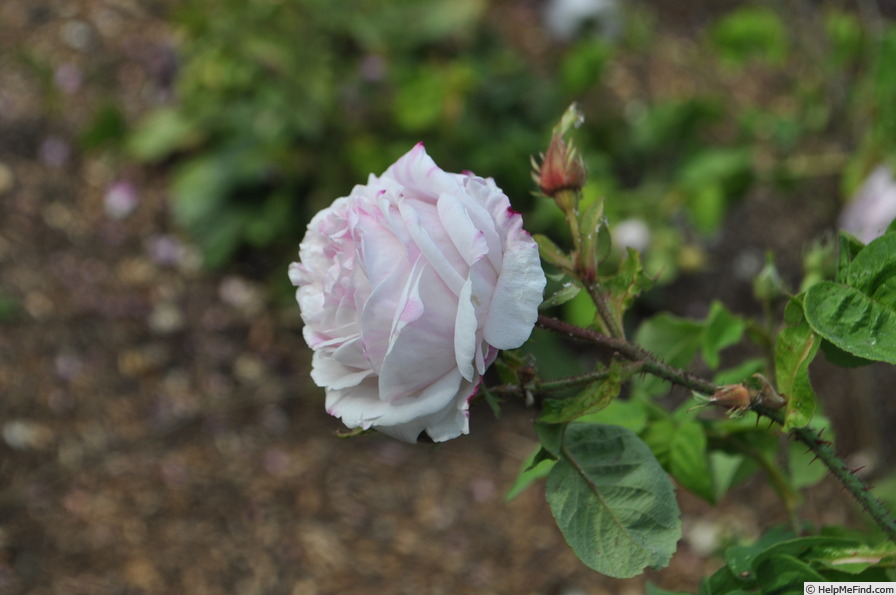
[(408, 288)]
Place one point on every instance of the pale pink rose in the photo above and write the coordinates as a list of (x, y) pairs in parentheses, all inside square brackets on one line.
[(408, 288)]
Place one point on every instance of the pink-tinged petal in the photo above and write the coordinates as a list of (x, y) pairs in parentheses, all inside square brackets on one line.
[(431, 251), (419, 175), (514, 306), (465, 327), (424, 349), (384, 309), (328, 372), (456, 420), (469, 241)]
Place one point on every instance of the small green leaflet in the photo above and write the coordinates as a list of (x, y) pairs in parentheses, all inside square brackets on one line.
[(612, 501)]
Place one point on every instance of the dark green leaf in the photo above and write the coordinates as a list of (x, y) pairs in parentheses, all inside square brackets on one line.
[(722, 582), (852, 321), (551, 436), (784, 575), (873, 270), (850, 246), (842, 358), (612, 501)]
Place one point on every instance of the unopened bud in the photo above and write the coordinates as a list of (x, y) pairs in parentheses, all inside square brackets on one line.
[(733, 397), (561, 170)]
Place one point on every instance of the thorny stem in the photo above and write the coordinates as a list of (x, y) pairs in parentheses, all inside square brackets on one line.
[(560, 384), (822, 449), (603, 310)]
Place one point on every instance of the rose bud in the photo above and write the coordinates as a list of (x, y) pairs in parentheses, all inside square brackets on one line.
[(561, 174), (408, 287)]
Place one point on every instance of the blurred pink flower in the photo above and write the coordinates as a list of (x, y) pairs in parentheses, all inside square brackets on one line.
[(873, 207)]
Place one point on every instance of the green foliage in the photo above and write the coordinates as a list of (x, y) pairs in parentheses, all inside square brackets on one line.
[(613, 503), (750, 32), (780, 562), (595, 397), (680, 445), (677, 340), (795, 348), (858, 314), (282, 105)]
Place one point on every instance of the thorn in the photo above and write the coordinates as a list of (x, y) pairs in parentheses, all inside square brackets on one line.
[(856, 470)]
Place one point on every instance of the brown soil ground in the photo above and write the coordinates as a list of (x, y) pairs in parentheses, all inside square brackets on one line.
[(160, 431)]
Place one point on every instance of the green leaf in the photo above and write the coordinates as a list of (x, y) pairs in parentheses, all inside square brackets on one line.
[(725, 471), (722, 582), (675, 340), (723, 329), (850, 246), (551, 437), (612, 501), (873, 270), (493, 402), (681, 448), (591, 400), (740, 372), (852, 321), (784, 574), (629, 414), (161, 133), (537, 465), (568, 290), (795, 348), (628, 283), (842, 358), (854, 558), (551, 253)]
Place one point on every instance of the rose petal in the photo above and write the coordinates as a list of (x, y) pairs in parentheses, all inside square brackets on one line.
[(514, 305)]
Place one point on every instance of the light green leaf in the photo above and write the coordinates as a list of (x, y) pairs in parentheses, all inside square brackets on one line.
[(795, 348), (551, 253), (536, 466), (629, 414), (854, 558), (612, 501), (567, 291)]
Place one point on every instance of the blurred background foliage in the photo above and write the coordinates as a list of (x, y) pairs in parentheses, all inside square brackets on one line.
[(280, 106)]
